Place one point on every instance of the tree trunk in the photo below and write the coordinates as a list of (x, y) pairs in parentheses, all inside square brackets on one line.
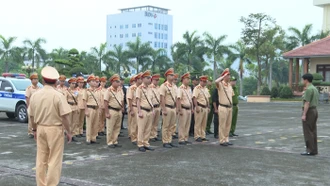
[(32, 60), (137, 65), (270, 74), (214, 68), (241, 86)]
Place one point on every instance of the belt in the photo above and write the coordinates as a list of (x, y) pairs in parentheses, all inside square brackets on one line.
[(203, 106), (134, 106), (156, 106), (187, 108), (71, 103), (145, 109), (91, 106), (227, 106), (170, 106), (116, 109)]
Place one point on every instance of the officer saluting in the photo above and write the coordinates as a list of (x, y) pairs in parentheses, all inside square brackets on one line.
[(49, 110)]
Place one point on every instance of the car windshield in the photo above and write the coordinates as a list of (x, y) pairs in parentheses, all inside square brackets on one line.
[(22, 84)]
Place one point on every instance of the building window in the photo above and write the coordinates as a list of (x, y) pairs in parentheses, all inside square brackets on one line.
[(165, 27), (115, 35), (165, 45), (156, 26), (165, 36), (121, 35), (156, 35), (149, 32), (155, 44), (110, 27), (110, 36), (149, 23), (134, 35), (133, 25), (324, 70), (162, 36), (121, 44), (162, 45), (158, 45), (162, 27), (139, 25), (126, 26), (126, 35), (121, 26), (115, 27), (139, 34)]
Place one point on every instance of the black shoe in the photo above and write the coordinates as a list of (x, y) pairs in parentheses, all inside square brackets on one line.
[(207, 133), (78, 136), (188, 142), (111, 146), (123, 128), (210, 132), (118, 145), (149, 148), (308, 154), (224, 144), (88, 143), (152, 140), (234, 134), (167, 145), (216, 137), (174, 137), (182, 143), (157, 139), (231, 135), (228, 143), (204, 139), (142, 149), (98, 137), (199, 140), (95, 142), (101, 134), (173, 145), (121, 135), (31, 136), (82, 135), (191, 135), (74, 139), (134, 143)]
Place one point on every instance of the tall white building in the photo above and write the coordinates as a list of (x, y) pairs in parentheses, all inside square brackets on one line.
[(151, 24)]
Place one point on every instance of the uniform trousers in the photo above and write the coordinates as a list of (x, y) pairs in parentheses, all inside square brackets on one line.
[(168, 122), (200, 123), (310, 130), (184, 124), (234, 119), (81, 121), (113, 126), (29, 125), (155, 123), (134, 125), (225, 117), (50, 146), (144, 128), (92, 124), (101, 120), (209, 119), (74, 122)]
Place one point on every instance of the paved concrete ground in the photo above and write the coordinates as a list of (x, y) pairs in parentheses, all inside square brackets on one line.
[(267, 152)]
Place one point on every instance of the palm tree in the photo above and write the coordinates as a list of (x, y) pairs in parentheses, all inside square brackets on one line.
[(215, 49), (322, 34), (7, 50), (191, 51), (35, 51), (240, 52), (140, 52), (159, 60), (57, 54), (300, 38), (100, 53), (117, 59)]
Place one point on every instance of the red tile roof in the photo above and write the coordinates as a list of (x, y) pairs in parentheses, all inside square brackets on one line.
[(320, 48)]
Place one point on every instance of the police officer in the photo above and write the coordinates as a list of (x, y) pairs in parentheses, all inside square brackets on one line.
[(173, 128), (91, 100), (195, 82), (225, 93), (210, 87), (185, 108), (168, 96), (71, 95), (113, 105), (156, 103), (28, 93), (131, 98), (102, 89), (144, 98), (201, 101), (129, 117), (81, 106), (61, 87), (235, 107), (50, 111)]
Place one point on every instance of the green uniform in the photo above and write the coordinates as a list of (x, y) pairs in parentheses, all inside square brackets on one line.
[(210, 115), (235, 110)]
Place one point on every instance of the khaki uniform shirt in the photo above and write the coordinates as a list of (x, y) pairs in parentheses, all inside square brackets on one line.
[(81, 92), (72, 97), (31, 90), (47, 106), (155, 92), (92, 97), (102, 91), (145, 95), (112, 95), (185, 96), (131, 94), (61, 89), (166, 89), (202, 95), (222, 88)]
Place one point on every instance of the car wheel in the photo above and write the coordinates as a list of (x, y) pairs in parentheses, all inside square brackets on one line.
[(21, 113), (10, 115)]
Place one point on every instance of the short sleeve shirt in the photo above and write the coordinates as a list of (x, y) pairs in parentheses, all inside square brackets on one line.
[(202, 95), (131, 94), (30, 90), (47, 106), (166, 90), (145, 96), (92, 97), (112, 95), (72, 97), (81, 92), (61, 89), (155, 92), (185, 96), (311, 95), (226, 93)]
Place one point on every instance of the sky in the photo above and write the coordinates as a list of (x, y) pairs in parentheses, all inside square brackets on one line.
[(81, 24)]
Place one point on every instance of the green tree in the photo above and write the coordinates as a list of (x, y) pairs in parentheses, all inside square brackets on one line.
[(89, 61), (100, 53), (254, 35), (72, 61), (215, 49), (322, 34), (240, 52), (250, 85), (117, 59), (57, 54), (299, 38), (158, 61), (140, 52), (7, 50), (35, 51)]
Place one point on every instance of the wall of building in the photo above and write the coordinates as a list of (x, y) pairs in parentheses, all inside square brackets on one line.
[(317, 61)]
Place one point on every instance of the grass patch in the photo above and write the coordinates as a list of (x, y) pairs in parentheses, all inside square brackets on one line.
[(284, 99)]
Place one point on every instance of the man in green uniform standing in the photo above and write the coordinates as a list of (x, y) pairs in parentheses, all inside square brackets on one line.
[(211, 88), (235, 107)]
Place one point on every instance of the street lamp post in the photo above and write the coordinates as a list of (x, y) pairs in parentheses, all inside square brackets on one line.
[(28, 69)]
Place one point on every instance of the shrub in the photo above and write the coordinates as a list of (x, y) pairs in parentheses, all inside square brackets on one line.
[(317, 77), (286, 92), (274, 92), (265, 91)]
